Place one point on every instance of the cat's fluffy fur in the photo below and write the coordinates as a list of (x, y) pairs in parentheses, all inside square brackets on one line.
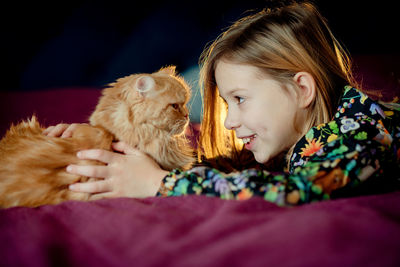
[(147, 111)]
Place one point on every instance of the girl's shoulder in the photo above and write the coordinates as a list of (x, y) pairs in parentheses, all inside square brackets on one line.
[(354, 103), (357, 116)]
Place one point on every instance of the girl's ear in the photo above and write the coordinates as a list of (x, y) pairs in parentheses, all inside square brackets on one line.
[(170, 70), (306, 83), (144, 84)]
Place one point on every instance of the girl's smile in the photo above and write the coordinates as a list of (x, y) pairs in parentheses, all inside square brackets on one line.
[(248, 141)]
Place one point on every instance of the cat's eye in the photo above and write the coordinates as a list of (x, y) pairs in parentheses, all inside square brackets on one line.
[(175, 106)]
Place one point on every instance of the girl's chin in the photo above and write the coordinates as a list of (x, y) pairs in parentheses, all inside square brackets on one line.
[(261, 158)]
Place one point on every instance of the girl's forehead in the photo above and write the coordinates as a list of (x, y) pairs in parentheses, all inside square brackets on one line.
[(230, 76), (231, 69), (226, 65)]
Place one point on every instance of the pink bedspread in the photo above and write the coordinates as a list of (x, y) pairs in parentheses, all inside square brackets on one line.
[(52, 106), (203, 231)]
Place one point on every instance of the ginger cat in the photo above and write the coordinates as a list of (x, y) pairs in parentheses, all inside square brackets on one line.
[(147, 111)]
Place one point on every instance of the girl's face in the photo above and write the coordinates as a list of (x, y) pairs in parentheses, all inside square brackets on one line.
[(260, 110)]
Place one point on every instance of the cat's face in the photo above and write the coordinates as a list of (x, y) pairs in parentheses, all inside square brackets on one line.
[(157, 99)]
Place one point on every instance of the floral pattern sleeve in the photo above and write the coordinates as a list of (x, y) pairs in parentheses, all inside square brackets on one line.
[(361, 144)]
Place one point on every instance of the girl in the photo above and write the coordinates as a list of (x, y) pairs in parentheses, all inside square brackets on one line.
[(278, 84)]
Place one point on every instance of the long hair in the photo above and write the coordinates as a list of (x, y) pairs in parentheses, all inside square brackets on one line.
[(280, 42)]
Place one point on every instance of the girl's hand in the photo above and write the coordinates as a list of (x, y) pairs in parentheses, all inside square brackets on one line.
[(130, 173), (62, 130)]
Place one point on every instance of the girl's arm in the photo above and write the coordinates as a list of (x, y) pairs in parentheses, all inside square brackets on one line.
[(340, 164)]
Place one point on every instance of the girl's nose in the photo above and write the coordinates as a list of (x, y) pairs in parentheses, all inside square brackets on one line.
[(231, 122)]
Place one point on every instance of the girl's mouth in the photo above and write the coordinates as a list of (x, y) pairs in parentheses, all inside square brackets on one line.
[(249, 141)]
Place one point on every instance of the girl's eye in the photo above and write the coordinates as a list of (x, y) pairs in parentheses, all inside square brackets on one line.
[(175, 106), (239, 99)]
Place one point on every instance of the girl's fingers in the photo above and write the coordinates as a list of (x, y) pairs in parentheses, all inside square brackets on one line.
[(125, 148), (98, 154), (91, 187), (48, 130), (69, 130), (89, 171), (57, 130), (102, 195), (62, 130)]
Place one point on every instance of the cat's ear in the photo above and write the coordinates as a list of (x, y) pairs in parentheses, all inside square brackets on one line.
[(145, 84), (170, 70)]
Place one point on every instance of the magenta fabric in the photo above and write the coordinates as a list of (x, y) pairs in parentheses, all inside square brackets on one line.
[(203, 231), (52, 106)]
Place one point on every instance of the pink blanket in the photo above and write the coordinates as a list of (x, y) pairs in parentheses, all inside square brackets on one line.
[(203, 231)]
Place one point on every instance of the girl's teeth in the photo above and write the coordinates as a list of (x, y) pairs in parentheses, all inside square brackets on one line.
[(248, 139)]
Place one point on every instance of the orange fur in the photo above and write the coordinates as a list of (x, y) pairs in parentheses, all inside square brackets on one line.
[(147, 113)]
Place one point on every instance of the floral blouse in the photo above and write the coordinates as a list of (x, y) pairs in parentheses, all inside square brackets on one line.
[(358, 152)]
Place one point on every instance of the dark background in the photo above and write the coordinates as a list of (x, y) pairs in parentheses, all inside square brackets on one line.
[(91, 43)]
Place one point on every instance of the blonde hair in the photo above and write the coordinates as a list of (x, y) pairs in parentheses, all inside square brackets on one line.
[(280, 42)]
